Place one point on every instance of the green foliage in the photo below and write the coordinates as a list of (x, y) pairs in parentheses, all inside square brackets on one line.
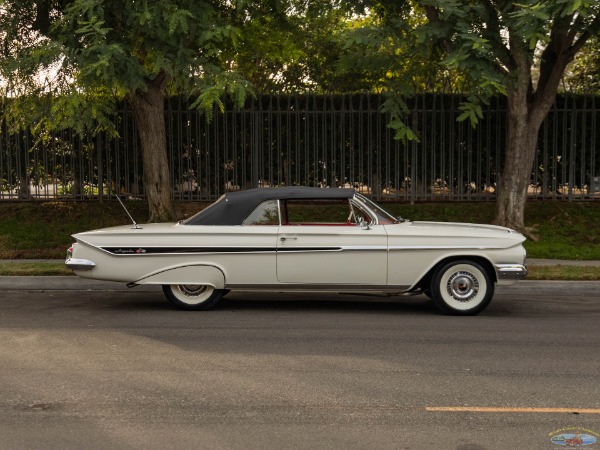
[(383, 51), (386, 53), (230, 83), (529, 21), (471, 110), (479, 49), (396, 108), (293, 46), (584, 75), (66, 62)]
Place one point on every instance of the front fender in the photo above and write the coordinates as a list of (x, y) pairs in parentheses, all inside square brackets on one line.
[(192, 274)]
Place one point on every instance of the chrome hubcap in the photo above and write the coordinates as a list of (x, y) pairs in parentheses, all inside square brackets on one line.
[(192, 290), (462, 286)]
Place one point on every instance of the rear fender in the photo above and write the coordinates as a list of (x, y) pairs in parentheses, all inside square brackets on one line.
[(195, 274)]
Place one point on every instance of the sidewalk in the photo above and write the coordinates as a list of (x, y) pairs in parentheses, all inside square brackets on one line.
[(66, 283)]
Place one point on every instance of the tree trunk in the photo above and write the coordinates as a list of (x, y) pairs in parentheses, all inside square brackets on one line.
[(24, 187), (524, 118), (521, 143), (149, 111), (526, 110)]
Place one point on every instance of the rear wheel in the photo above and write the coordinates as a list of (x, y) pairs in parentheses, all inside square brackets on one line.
[(192, 296), (462, 288)]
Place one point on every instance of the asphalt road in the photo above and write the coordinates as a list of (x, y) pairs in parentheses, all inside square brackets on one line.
[(121, 369)]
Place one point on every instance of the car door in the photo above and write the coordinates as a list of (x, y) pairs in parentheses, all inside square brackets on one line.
[(320, 243)]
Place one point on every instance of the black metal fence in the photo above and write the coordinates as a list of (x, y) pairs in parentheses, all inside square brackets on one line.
[(312, 140)]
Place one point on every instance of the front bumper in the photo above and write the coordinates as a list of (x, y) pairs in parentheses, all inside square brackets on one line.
[(79, 264), (510, 272)]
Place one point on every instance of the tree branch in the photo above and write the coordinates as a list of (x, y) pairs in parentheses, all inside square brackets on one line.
[(433, 16), (493, 35), (577, 45)]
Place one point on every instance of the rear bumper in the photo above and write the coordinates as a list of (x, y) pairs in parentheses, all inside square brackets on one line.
[(79, 264), (507, 273)]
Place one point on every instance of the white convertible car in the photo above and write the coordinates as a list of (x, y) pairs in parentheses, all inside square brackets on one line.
[(309, 239)]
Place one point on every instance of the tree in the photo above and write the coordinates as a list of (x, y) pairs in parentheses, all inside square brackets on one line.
[(583, 76), (518, 49), (71, 59), (296, 49)]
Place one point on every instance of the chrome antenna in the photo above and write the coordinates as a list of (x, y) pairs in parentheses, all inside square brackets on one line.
[(135, 225)]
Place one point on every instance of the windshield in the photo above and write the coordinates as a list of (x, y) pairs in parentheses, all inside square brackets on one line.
[(383, 216)]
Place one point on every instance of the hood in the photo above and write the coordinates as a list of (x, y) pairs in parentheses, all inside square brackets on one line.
[(462, 227), (460, 234)]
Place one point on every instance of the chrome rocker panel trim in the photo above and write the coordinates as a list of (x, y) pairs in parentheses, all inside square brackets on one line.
[(288, 287)]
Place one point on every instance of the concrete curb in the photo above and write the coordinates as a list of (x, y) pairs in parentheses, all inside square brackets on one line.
[(66, 283)]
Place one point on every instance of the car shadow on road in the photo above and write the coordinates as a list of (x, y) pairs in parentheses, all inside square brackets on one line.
[(325, 302), (504, 306), (273, 301)]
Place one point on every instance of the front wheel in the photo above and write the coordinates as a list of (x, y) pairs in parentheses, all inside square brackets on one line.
[(198, 297), (462, 288)]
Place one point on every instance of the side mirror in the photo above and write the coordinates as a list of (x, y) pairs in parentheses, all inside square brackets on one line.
[(363, 224)]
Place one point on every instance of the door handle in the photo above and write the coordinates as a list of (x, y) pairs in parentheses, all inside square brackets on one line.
[(284, 238)]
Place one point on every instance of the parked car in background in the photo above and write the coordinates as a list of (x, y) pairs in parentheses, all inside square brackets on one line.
[(304, 239)]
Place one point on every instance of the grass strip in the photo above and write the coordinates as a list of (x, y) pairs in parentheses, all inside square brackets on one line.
[(29, 269), (564, 273)]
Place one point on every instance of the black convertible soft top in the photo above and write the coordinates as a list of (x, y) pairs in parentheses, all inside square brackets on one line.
[(233, 207)]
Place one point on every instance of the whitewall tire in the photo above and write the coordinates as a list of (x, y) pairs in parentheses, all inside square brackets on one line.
[(462, 288), (192, 296)]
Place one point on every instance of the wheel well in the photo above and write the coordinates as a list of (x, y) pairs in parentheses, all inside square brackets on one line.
[(425, 282), (187, 274)]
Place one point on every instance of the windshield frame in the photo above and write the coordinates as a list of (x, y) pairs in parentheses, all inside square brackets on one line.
[(381, 214)]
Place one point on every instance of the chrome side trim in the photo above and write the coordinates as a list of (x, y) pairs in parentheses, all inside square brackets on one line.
[(79, 264), (187, 250), (510, 271), (444, 247), (149, 250), (364, 248)]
